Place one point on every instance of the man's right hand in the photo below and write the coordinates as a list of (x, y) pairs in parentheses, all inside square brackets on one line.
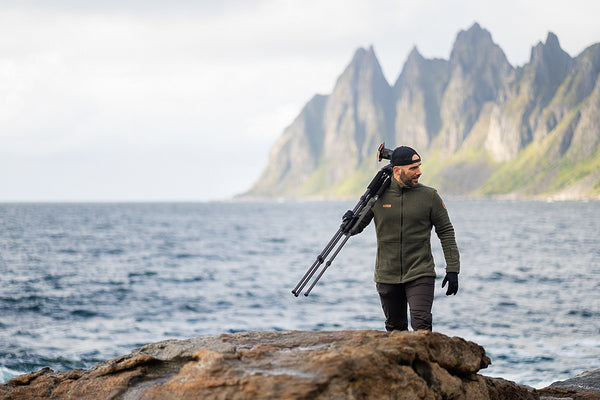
[(347, 221)]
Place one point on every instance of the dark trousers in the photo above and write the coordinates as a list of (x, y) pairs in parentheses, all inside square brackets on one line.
[(418, 295)]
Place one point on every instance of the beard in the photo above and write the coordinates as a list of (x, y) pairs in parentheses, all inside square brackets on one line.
[(408, 181)]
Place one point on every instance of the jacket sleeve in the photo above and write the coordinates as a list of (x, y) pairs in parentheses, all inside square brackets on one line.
[(445, 232)]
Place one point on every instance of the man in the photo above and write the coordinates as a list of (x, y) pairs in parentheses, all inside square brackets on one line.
[(405, 271)]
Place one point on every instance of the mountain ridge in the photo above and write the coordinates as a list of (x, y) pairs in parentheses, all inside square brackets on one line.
[(483, 127)]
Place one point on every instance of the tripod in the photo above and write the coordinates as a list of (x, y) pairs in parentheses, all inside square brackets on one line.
[(351, 221)]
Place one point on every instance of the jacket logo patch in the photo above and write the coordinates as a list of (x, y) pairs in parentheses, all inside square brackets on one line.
[(386, 205)]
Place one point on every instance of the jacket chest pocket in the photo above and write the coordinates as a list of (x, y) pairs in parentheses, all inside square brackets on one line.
[(388, 221)]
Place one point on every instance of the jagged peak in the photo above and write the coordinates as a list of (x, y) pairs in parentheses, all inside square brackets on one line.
[(474, 49), (552, 40), (414, 55), (361, 54), (364, 63), (412, 67), (475, 44), (475, 34), (476, 29), (414, 61), (549, 51)]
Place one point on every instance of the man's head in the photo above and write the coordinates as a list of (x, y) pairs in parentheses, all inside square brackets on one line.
[(406, 164)]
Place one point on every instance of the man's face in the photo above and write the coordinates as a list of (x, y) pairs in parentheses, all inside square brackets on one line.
[(408, 175)]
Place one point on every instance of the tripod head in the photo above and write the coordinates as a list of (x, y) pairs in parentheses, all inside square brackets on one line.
[(382, 152)]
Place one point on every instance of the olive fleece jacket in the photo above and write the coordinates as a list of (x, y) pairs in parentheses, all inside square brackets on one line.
[(404, 217)]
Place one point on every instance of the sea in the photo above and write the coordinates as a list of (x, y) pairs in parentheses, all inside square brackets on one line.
[(82, 283)]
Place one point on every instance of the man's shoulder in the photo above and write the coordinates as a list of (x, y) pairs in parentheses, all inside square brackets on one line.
[(427, 194)]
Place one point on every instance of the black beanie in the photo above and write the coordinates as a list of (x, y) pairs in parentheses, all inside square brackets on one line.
[(405, 155)]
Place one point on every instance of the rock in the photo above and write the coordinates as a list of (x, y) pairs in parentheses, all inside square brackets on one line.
[(363, 364), (585, 386)]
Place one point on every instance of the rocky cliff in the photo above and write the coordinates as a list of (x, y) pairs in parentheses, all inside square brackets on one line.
[(286, 365), (483, 126)]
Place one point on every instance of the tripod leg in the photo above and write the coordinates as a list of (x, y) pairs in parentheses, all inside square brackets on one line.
[(327, 264), (323, 255), (320, 259)]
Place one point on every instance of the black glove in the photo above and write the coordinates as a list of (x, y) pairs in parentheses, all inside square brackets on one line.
[(452, 279), (347, 221), (347, 216)]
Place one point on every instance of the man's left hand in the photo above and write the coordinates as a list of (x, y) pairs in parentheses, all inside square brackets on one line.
[(452, 280)]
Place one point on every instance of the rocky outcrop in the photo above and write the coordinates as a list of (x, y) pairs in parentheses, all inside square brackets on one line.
[(363, 364), (585, 386)]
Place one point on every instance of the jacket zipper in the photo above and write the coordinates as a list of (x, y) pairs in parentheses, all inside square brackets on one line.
[(401, 233)]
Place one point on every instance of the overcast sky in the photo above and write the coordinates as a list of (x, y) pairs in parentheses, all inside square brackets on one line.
[(182, 100)]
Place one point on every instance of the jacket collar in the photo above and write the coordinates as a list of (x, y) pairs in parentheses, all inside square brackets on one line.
[(397, 187)]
